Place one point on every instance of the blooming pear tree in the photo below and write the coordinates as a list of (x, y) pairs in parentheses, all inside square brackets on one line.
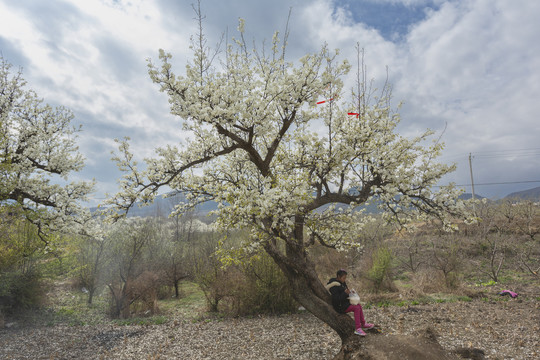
[(290, 170), (37, 154)]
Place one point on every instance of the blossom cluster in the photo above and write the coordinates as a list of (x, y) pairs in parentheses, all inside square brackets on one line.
[(278, 163), (38, 153)]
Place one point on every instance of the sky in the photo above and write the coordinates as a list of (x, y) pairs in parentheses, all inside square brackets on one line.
[(469, 70)]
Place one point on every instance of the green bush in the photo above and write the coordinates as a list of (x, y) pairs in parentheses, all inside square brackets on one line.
[(214, 279), (253, 287), (19, 290), (257, 287), (381, 268), (240, 283), (453, 280), (268, 290), (21, 252)]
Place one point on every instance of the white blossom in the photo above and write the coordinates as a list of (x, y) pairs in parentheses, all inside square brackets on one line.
[(274, 160), (38, 153)]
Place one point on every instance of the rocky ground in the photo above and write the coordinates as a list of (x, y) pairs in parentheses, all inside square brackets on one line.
[(507, 329)]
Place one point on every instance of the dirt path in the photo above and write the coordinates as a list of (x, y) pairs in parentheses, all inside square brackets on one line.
[(503, 329)]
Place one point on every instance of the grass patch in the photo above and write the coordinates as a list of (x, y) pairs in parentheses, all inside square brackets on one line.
[(426, 299), (68, 305), (387, 303), (211, 316), (65, 305), (192, 295), (405, 276), (487, 283), (444, 298), (152, 320), (384, 303), (190, 304), (402, 284), (66, 311), (437, 298)]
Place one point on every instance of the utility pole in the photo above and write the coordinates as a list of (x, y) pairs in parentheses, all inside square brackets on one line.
[(472, 181)]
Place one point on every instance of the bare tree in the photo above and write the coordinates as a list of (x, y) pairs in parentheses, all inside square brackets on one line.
[(447, 257), (92, 258), (131, 240), (414, 258)]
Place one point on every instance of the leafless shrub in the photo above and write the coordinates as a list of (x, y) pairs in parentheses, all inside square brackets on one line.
[(496, 249), (131, 247), (529, 258), (91, 261), (144, 293), (411, 252), (135, 296), (426, 282), (446, 257)]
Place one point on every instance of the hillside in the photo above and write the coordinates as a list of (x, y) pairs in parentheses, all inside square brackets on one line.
[(164, 204), (468, 196), (531, 194)]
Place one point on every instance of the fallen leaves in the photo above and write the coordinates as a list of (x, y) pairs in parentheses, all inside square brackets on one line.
[(476, 325)]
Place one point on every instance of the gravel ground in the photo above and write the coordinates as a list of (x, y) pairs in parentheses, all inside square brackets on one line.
[(503, 329)]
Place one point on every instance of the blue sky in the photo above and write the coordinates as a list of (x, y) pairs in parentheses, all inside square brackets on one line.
[(470, 67), (392, 19)]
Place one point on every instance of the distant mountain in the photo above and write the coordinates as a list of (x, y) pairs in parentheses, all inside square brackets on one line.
[(531, 194), (163, 205), (468, 196)]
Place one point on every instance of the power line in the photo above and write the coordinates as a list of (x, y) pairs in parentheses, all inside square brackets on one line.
[(496, 183), (496, 154), (507, 150), (507, 155)]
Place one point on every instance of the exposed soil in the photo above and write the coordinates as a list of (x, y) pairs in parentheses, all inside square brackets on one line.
[(508, 329)]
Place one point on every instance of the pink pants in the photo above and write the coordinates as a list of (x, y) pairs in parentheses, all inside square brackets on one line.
[(358, 315)]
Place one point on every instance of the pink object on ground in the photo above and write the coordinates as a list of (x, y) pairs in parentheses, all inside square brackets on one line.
[(511, 293)]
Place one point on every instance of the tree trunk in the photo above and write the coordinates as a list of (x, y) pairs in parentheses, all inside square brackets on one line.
[(90, 295), (321, 308), (308, 289), (176, 290), (120, 307)]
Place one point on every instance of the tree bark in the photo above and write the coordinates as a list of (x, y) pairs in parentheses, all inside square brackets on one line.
[(342, 324), (90, 296), (304, 281)]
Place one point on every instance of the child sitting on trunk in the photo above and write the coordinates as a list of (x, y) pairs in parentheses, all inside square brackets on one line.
[(340, 301)]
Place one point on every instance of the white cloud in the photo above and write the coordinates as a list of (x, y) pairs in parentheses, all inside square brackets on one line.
[(335, 26), (476, 65), (473, 64), (409, 2)]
